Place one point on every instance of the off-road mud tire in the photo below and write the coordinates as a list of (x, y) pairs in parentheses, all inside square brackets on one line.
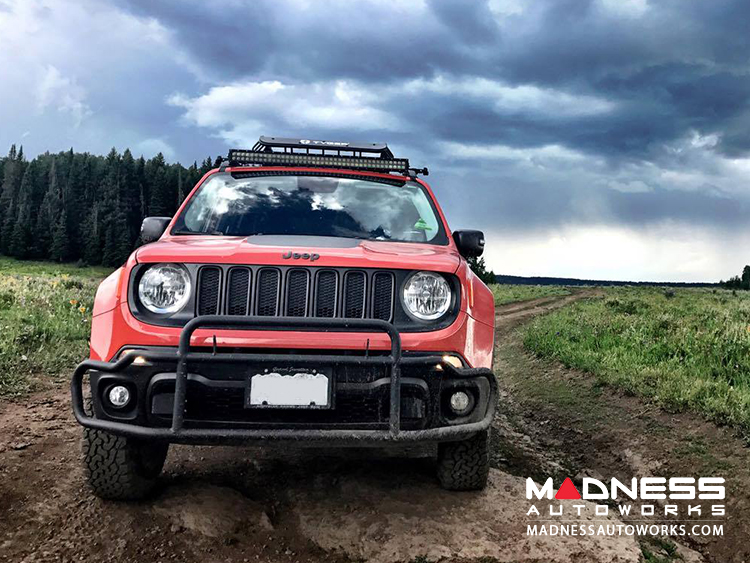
[(464, 465), (119, 468)]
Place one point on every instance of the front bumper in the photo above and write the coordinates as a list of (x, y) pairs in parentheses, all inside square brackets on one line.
[(413, 407)]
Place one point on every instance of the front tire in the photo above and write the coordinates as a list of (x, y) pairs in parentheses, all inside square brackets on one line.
[(464, 465), (119, 468)]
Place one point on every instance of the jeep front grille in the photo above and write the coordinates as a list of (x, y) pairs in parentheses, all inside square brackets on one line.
[(296, 292)]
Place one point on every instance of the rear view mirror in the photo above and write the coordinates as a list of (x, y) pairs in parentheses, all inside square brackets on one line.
[(470, 243), (153, 227)]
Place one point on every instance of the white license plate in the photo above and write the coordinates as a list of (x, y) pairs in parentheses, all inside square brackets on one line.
[(289, 390)]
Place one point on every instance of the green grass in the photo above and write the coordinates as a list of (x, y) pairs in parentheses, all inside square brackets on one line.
[(45, 319), (10, 266), (687, 349), (659, 550), (505, 293)]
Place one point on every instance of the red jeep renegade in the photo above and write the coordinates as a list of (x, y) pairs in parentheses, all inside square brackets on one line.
[(307, 292)]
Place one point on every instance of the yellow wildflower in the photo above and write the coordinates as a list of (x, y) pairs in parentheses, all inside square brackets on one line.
[(82, 309), (74, 302)]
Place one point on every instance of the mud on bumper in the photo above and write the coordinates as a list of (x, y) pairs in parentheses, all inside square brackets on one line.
[(198, 396)]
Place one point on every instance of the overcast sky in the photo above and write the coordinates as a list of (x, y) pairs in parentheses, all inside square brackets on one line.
[(587, 138)]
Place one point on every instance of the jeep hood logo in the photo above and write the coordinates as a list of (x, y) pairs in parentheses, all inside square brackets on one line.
[(297, 256)]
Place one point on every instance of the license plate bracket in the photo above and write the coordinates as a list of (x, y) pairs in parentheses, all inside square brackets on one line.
[(289, 388)]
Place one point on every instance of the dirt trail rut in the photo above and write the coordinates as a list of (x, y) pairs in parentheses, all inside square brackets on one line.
[(250, 504)]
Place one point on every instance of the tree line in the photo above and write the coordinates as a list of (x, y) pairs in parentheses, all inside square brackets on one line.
[(739, 282), (70, 206)]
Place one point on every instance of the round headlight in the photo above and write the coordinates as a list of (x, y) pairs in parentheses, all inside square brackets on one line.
[(427, 296), (164, 288)]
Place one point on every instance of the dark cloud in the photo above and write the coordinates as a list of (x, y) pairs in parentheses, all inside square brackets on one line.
[(287, 40), (675, 67)]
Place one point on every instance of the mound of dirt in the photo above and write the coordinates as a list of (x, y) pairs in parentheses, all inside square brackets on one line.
[(211, 511), (370, 521)]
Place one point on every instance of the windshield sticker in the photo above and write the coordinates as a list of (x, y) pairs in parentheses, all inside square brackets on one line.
[(422, 225)]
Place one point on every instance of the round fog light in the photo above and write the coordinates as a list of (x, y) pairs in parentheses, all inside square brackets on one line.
[(119, 396), (460, 401)]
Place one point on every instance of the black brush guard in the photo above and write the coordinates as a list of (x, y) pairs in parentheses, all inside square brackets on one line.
[(181, 434)]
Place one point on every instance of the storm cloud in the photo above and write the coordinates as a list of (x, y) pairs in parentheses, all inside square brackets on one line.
[(551, 125)]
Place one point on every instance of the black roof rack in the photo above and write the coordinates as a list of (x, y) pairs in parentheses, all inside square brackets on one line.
[(267, 144), (281, 151)]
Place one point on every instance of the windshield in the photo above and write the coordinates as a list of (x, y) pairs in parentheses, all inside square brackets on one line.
[(311, 205)]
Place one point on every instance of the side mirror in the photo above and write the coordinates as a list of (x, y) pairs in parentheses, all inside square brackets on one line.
[(153, 227), (470, 243)]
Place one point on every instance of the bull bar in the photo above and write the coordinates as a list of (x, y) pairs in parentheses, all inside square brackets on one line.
[(179, 433)]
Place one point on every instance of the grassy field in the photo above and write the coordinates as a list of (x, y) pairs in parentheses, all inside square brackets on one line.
[(505, 293), (682, 349), (45, 318)]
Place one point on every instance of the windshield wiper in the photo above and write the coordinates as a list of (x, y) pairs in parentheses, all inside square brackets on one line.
[(209, 233)]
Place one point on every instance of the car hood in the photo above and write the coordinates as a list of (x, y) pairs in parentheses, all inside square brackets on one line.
[(300, 251)]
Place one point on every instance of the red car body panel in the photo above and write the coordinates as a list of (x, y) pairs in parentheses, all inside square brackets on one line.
[(237, 250), (470, 335)]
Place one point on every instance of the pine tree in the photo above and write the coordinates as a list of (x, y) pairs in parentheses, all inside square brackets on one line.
[(161, 198), (60, 247), (130, 197), (74, 204), (51, 208), (12, 174), (206, 165), (90, 235), (23, 229), (180, 192), (116, 247), (478, 267)]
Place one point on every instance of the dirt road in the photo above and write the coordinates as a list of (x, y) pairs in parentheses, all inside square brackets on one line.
[(228, 504)]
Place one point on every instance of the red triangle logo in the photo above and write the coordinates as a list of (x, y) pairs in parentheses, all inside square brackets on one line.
[(567, 491)]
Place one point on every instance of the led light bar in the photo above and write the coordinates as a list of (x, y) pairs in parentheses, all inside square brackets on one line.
[(281, 151), (237, 156)]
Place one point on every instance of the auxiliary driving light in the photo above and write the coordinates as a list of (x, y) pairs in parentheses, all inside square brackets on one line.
[(141, 361), (460, 402), (119, 396), (455, 361)]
